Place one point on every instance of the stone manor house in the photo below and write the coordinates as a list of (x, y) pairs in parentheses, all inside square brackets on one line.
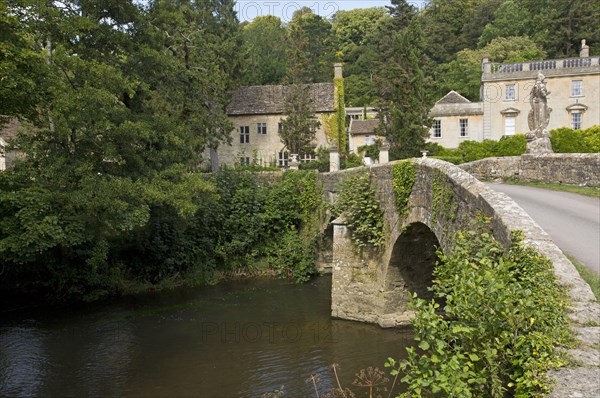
[(574, 85)]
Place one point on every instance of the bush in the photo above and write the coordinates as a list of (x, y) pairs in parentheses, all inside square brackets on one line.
[(358, 201), (566, 140), (511, 146), (503, 313)]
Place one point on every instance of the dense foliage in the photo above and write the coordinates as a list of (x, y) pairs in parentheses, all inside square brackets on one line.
[(493, 325), (55, 243), (566, 140), (359, 204)]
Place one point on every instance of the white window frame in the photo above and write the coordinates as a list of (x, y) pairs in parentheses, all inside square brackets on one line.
[(576, 88), (307, 157), (437, 129), (261, 128), (576, 120), (510, 92), (244, 134), (283, 159), (510, 128), (369, 140), (464, 127)]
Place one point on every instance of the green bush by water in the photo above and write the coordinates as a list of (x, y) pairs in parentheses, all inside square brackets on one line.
[(493, 326)]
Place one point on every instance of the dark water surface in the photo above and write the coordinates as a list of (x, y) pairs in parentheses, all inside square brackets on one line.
[(237, 339)]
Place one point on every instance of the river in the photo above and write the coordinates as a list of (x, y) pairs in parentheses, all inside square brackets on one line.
[(237, 339)]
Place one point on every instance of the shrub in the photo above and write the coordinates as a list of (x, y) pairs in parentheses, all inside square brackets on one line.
[(358, 201), (503, 314), (566, 140)]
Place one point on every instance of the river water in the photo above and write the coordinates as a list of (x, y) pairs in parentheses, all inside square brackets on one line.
[(238, 339)]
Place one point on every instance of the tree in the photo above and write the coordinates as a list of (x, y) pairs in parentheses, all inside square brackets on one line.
[(510, 19), (135, 95), (444, 23), (464, 73), (400, 83), (311, 48), (265, 45), (299, 127), (355, 32), (23, 68)]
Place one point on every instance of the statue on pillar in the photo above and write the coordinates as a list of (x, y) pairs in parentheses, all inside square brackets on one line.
[(538, 138)]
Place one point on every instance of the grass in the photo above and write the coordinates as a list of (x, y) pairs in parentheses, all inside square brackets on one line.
[(593, 192), (589, 276)]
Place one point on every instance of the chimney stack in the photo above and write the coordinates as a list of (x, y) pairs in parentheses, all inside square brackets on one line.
[(585, 50)]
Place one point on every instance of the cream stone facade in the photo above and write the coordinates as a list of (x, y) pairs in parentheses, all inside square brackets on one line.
[(456, 119), (362, 132), (256, 113), (574, 85), (262, 145)]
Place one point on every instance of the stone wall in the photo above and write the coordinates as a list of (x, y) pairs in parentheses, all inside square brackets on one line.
[(564, 168)]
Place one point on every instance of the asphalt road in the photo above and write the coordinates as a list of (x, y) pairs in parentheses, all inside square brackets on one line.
[(572, 220)]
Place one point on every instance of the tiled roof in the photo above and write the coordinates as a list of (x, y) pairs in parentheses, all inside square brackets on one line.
[(265, 100), (453, 98), (363, 126)]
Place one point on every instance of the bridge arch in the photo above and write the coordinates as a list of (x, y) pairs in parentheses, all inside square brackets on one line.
[(373, 285), (413, 259)]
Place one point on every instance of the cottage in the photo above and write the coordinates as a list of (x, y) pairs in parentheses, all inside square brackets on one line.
[(257, 112)]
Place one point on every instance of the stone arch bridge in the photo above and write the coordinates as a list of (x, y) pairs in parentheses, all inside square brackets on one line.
[(374, 285)]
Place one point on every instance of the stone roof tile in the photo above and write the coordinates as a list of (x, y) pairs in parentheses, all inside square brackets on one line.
[(364, 126), (265, 100), (453, 98)]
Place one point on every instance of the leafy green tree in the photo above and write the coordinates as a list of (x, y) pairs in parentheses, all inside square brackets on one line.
[(444, 24), (311, 53), (135, 95), (23, 70), (511, 18), (299, 127), (464, 73), (400, 83), (355, 31), (265, 45), (560, 25)]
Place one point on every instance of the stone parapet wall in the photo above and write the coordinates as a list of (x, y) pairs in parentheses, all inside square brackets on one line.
[(581, 169)]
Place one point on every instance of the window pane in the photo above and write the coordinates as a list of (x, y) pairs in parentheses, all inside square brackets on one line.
[(437, 128), (576, 121), (510, 92), (576, 88), (464, 127), (509, 125)]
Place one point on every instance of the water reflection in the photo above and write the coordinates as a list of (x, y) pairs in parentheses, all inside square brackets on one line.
[(23, 361), (237, 340)]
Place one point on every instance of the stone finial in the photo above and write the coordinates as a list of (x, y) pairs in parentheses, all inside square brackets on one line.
[(338, 72), (585, 50)]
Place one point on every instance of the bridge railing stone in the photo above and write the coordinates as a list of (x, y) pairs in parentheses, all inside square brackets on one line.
[(564, 168)]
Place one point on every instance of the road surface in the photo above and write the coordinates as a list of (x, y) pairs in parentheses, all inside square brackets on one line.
[(572, 220)]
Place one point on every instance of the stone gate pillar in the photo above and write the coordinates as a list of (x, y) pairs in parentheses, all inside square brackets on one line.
[(334, 159)]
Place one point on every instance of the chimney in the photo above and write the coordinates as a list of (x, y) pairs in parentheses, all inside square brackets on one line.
[(585, 50), (337, 71)]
